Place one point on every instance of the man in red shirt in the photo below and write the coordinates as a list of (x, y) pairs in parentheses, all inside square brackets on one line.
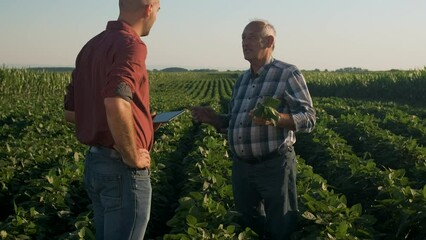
[(108, 100)]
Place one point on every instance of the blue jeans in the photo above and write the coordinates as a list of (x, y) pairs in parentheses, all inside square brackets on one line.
[(121, 196), (265, 195)]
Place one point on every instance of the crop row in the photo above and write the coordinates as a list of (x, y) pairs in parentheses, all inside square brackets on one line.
[(384, 193), (361, 173)]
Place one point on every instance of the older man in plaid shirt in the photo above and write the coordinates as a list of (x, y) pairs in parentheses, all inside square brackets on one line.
[(264, 162)]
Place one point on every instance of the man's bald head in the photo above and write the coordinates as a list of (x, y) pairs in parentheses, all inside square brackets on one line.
[(134, 5), (139, 14)]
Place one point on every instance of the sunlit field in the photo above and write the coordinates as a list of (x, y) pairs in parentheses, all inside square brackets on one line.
[(361, 172)]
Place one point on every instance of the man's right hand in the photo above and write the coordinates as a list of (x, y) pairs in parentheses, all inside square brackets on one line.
[(207, 115), (202, 114), (143, 160)]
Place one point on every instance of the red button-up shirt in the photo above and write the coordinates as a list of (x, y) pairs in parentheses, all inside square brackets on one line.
[(115, 56)]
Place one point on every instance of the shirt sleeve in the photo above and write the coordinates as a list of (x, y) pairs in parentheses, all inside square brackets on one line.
[(300, 101), (126, 72), (124, 91)]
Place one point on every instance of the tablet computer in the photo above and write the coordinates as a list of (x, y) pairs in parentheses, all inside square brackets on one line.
[(167, 116)]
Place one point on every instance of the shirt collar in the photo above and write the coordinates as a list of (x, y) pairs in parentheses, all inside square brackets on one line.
[(262, 69), (120, 25)]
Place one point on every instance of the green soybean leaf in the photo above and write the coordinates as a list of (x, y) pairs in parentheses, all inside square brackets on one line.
[(271, 102), (267, 109)]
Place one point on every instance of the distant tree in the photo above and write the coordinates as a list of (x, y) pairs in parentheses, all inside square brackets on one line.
[(174, 69), (352, 70), (204, 70)]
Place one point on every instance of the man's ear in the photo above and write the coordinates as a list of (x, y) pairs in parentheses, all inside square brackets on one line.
[(268, 41), (148, 10)]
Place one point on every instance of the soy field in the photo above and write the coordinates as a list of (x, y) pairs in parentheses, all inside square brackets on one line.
[(361, 172)]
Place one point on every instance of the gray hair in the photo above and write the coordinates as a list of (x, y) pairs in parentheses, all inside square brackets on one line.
[(267, 29)]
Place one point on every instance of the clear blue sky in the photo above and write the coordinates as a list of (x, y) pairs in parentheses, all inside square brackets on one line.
[(322, 34)]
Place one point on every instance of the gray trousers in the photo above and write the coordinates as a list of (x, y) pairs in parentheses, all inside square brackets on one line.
[(265, 195)]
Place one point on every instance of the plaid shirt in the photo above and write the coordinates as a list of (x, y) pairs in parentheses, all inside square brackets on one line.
[(275, 79)]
